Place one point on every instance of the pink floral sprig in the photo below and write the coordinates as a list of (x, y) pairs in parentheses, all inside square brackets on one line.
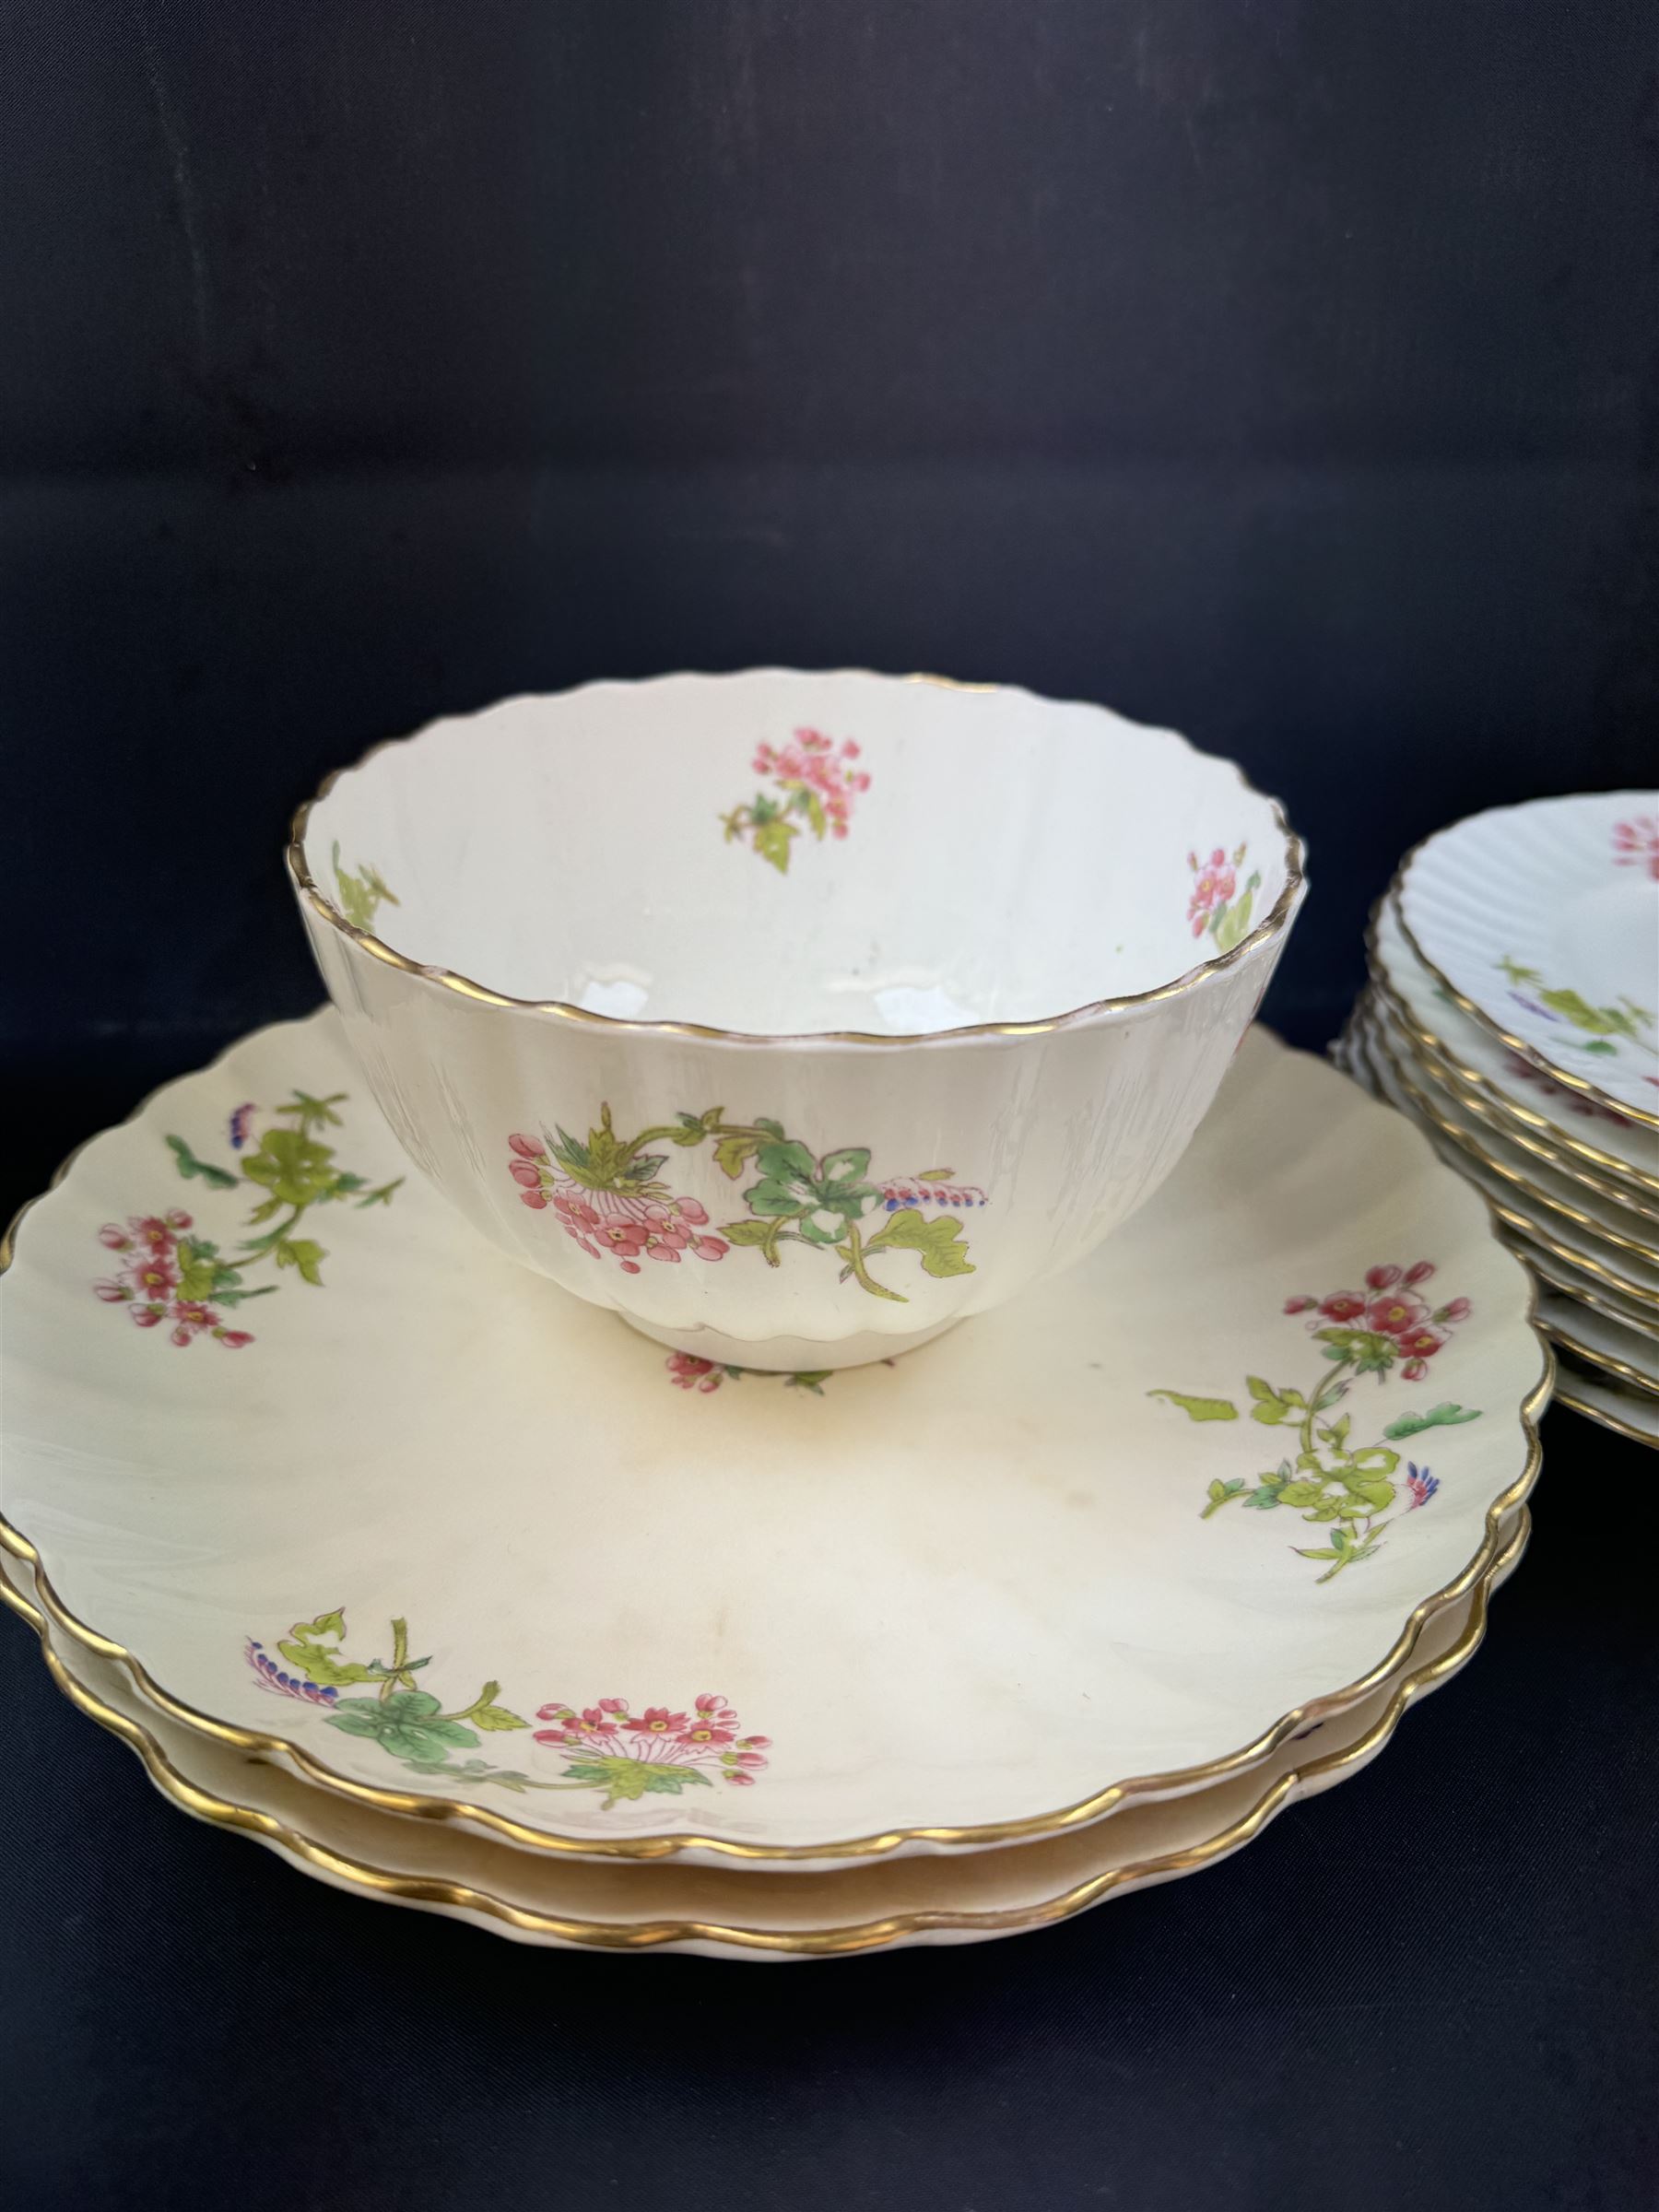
[(1636, 844), (628, 1226), (1217, 880), (813, 763), (705, 1739), (147, 1282), (1400, 1324)]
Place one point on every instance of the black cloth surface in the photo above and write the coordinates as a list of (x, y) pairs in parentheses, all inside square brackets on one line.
[(1283, 371)]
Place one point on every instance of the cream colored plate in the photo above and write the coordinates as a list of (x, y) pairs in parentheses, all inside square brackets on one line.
[(1522, 1101), (424, 1533), (1630, 1413), (1626, 1356), (1544, 921), (1519, 1203), (884, 1904)]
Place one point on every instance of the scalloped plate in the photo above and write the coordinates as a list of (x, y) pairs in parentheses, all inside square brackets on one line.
[(888, 1904), (1571, 1126), (442, 1539), (1544, 920)]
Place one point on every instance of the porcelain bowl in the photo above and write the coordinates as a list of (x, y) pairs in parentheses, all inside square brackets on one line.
[(797, 1017)]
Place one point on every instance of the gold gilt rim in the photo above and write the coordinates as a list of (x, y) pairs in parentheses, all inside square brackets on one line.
[(1401, 1054), (865, 1936), (669, 1846), (1510, 1109), (1273, 923), (1569, 1396), (1560, 1335), (1552, 1270), (1433, 1063), (1648, 1299), (1540, 1060)]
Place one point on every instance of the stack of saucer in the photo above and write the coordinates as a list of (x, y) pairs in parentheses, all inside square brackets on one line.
[(1515, 973), (766, 1489)]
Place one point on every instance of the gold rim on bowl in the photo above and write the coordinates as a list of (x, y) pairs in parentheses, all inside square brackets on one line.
[(1273, 925)]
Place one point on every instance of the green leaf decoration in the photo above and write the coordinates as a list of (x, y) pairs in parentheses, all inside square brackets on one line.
[(732, 1154), (294, 1168), (1375, 1459), (763, 1235), (849, 1167), (771, 1128), (1264, 1499), (1233, 923), (1300, 1493), (938, 1242), (302, 1253), (306, 1109), (1377, 1492), (772, 841), (325, 1669), (1199, 1409), (189, 1165), (784, 1161), (1438, 1416), (381, 1197), (486, 1714)]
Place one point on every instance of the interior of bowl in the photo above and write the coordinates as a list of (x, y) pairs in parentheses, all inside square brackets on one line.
[(784, 853)]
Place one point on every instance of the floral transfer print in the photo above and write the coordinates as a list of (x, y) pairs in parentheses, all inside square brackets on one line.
[(609, 1197), (1636, 844), (361, 895), (1604, 1029), (628, 1756), (169, 1273), (1217, 908), (687, 1371), (1348, 1490), (816, 785)]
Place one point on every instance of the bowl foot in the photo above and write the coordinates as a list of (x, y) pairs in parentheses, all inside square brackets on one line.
[(790, 1355)]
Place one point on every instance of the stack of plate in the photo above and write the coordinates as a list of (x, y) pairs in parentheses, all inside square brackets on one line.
[(451, 1588), (1515, 973)]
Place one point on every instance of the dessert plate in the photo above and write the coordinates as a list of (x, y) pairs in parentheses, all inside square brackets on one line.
[(1519, 1201), (1626, 1237), (334, 1481), (1626, 1356), (1560, 1272), (1629, 1412), (880, 1904), (1543, 921), (1521, 1099)]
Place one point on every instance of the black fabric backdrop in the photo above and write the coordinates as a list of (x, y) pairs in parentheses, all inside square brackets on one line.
[(1286, 370)]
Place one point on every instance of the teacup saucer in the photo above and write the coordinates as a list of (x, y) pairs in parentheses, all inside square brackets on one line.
[(744, 1913), (357, 1493)]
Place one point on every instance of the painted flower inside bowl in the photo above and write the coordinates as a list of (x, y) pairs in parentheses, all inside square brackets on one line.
[(795, 1016)]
